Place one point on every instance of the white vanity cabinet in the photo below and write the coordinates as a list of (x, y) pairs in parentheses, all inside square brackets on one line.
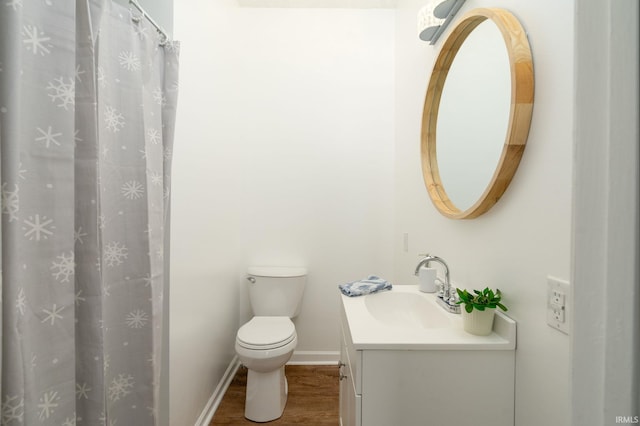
[(429, 385)]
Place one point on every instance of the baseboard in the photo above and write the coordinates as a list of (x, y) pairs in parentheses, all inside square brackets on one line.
[(218, 393), (314, 358)]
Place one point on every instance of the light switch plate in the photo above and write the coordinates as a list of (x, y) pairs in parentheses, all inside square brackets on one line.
[(558, 304)]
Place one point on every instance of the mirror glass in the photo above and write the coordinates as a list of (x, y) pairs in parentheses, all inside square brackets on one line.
[(474, 115), (477, 113)]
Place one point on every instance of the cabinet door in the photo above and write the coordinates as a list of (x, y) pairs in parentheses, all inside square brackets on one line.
[(347, 390)]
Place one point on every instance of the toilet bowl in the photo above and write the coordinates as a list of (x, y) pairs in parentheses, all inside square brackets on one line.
[(264, 345)]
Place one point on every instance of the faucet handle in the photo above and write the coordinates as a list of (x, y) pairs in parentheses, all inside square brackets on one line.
[(453, 295)]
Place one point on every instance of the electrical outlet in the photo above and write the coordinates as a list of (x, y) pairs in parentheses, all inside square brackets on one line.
[(557, 298), (558, 314), (558, 306)]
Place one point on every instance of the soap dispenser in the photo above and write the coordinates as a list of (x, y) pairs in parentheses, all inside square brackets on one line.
[(427, 279)]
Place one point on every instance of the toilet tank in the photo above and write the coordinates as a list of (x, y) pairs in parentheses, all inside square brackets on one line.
[(276, 291)]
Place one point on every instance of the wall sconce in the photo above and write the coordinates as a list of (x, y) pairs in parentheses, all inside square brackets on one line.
[(435, 17)]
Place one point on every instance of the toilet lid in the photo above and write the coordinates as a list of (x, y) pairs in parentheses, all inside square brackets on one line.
[(266, 332)]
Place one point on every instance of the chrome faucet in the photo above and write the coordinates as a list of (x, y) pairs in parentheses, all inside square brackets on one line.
[(446, 295), (428, 258)]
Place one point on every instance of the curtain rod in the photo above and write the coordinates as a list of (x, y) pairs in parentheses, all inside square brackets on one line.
[(150, 19)]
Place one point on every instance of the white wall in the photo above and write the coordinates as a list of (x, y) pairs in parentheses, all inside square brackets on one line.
[(526, 236), (283, 155), (205, 217)]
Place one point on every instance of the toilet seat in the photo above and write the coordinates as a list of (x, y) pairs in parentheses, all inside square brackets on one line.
[(262, 333)]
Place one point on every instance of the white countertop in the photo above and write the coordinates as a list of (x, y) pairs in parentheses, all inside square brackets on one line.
[(367, 332)]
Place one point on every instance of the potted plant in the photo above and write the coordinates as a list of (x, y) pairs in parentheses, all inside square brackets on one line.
[(479, 309)]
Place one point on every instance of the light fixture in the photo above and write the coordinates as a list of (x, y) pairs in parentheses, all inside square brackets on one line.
[(434, 18)]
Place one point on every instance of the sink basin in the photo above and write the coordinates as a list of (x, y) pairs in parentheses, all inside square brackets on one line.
[(406, 310), (404, 318)]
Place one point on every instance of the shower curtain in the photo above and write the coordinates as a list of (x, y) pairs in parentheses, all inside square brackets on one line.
[(87, 106)]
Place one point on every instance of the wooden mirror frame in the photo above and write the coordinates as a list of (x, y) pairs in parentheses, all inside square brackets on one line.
[(522, 88)]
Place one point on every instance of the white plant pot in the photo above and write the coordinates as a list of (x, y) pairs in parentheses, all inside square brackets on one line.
[(478, 322)]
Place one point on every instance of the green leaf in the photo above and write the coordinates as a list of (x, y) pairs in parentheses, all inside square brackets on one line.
[(480, 299)]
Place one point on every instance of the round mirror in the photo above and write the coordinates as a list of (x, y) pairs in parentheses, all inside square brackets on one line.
[(478, 109)]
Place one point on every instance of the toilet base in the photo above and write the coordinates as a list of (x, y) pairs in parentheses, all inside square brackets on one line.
[(266, 395)]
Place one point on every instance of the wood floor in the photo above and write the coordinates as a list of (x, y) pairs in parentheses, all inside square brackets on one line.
[(313, 398)]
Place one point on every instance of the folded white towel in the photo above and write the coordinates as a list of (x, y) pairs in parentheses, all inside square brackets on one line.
[(368, 285)]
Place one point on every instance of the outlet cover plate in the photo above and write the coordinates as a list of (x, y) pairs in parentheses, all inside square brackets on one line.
[(558, 304)]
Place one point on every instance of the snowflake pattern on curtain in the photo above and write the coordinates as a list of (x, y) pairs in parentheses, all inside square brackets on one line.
[(87, 110)]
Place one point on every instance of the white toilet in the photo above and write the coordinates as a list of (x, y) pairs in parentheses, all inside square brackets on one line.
[(266, 342)]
